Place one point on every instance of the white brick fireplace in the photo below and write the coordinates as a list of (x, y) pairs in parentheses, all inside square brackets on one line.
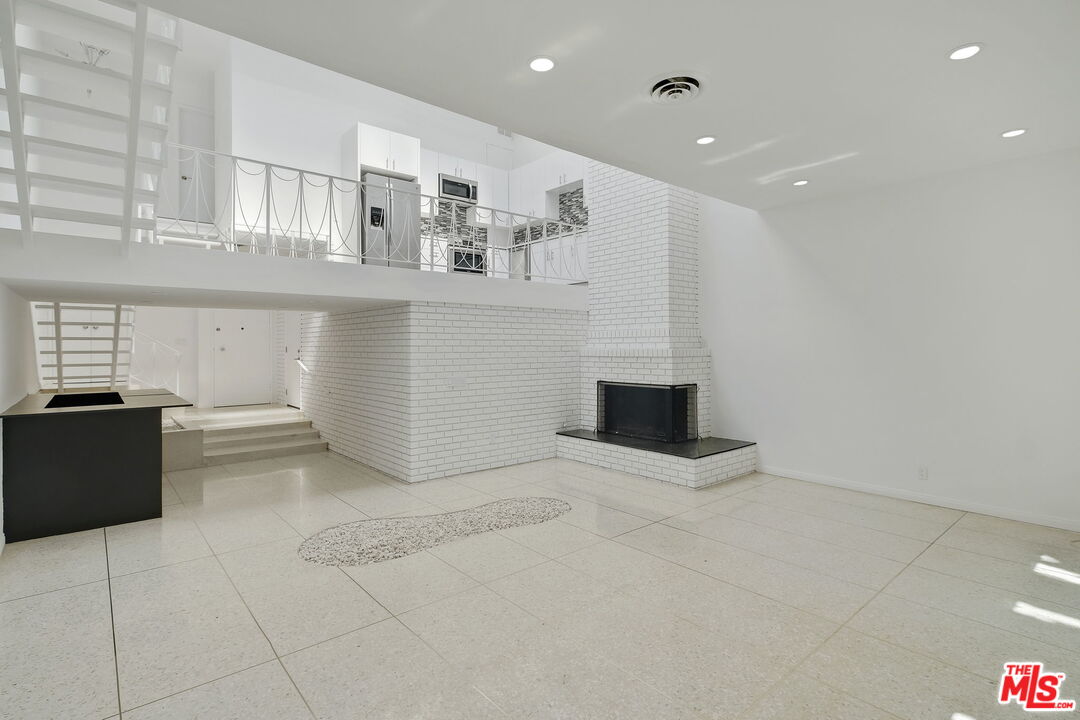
[(644, 299)]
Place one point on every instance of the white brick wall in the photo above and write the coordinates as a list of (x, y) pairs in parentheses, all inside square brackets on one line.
[(644, 288), (644, 284), (425, 390), (358, 388), (492, 385)]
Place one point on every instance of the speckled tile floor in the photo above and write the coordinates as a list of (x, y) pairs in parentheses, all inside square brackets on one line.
[(760, 598)]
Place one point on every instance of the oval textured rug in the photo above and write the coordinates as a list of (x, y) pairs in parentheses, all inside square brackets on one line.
[(370, 541)]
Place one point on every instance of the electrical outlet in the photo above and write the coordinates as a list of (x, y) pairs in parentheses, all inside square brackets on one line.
[(924, 473)]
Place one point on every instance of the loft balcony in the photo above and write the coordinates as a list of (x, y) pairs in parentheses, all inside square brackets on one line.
[(222, 202)]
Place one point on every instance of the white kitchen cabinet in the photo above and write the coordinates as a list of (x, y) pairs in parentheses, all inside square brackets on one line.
[(448, 164), (367, 147), (373, 145), (538, 262), (484, 186), (492, 188), (467, 169), (575, 257), (563, 168), (532, 183), (429, 172), (527, 196), (458, 167), (404, 154)]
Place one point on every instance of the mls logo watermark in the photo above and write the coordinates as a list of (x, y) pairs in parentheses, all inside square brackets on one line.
[(1033, 689)]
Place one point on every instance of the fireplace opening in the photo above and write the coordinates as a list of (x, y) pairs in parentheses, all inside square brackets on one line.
[(667, 413)]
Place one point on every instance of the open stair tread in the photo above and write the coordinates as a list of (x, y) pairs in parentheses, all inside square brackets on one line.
[(89, 217), (56, 148)]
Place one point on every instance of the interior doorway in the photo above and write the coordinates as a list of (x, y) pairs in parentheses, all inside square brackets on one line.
[(242, 357), (187, 184)]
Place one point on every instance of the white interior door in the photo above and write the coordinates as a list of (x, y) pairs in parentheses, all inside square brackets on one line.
[(242, 357), (196, 180), (293, 395)]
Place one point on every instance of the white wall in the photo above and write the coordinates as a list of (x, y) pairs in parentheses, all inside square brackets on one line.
[(18, 373), (929, 324), (179, 329), (289, 112)]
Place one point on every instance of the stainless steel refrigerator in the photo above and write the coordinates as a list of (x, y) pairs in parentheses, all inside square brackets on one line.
[(390, 231)]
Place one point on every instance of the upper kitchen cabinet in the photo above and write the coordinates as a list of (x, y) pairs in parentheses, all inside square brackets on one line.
[(566, 168), (404, 154), (532, 183), (429, 172), (369, 148), (457, 167), (561, 168)]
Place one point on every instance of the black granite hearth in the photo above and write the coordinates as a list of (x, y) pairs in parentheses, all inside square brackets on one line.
[(692, 449)]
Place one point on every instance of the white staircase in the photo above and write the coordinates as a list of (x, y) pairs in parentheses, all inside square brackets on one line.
[(252, 433), (87, 86), (83, 346)]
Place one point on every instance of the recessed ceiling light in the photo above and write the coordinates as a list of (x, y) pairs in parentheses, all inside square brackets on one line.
[(705, 139), (965, 52), (1013, 133), (800, 183), (541, 64)]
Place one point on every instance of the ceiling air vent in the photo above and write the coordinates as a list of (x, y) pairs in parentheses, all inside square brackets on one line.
[(678, 89)]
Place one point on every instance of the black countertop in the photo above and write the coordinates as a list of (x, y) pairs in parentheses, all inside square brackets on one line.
[(692, 449), (133, 400)]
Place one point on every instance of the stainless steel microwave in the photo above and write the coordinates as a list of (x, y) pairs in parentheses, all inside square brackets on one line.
[(455, 188)]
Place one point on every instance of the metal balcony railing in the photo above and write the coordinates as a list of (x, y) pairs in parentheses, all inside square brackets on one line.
[(230, 203)]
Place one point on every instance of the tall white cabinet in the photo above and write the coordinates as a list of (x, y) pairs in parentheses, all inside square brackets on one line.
[(369, 148)]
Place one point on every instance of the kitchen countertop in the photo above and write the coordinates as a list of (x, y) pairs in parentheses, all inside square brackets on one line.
[(133, 400)]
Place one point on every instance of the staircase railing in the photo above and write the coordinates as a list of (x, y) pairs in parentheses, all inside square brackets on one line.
[(82, 345), (225, 202), (154, 364)]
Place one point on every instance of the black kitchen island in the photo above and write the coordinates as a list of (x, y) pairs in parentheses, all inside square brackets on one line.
[(82, 460)]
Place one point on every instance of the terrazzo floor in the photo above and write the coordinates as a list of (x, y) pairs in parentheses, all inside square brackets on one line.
[(760, 598)]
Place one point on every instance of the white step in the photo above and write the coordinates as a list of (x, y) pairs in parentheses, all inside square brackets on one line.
[(54, 66), (83, 153), (219, 430), (88, 27), (84, 338), (76, 185), (50, 109), (243, 453), (70, 306), (218, 442), (46, 212)]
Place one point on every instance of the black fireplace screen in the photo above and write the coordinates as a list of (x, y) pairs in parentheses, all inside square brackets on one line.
[(652, 412)]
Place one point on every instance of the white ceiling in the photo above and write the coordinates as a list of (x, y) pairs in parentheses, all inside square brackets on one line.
[(846, 93)]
